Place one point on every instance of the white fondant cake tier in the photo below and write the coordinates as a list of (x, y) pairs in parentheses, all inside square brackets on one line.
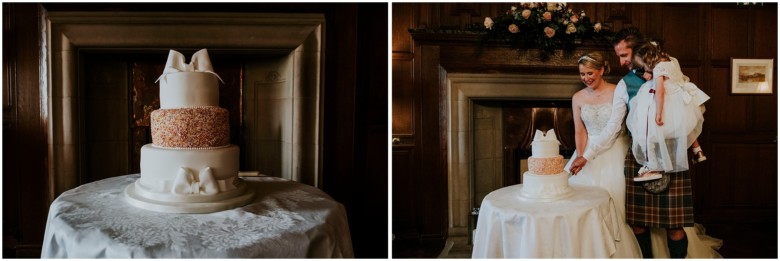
[(188, 89), (545, 149), (545, 166), (546, 187), (160, 166)]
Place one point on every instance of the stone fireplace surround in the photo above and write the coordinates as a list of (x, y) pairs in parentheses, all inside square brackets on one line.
[(297, 113), (462, 90)]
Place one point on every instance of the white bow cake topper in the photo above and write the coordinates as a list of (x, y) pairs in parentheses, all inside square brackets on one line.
[(548, 136), (185, 182), (200, 62)]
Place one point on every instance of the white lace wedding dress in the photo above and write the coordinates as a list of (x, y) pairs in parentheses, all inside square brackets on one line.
[(606, 171)]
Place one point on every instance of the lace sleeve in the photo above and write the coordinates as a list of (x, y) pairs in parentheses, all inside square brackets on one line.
[(611, 131)]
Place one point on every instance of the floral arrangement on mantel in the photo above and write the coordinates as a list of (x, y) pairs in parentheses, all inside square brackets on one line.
[(543, 26)]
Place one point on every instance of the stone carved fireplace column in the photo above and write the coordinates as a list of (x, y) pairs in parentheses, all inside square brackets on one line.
[(64, 33)]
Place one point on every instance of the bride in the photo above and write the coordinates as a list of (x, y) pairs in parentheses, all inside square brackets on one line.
[(592, 108)]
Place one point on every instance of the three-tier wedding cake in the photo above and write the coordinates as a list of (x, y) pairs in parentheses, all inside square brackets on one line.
[(545, 178), (190, 166)]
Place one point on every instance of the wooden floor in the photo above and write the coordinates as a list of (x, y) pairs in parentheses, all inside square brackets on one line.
[(739, 241)]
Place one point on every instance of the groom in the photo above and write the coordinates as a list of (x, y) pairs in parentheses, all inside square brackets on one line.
[(671, 209)]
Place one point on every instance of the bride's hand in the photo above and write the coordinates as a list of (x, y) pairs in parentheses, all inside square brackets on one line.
[(577, 165)]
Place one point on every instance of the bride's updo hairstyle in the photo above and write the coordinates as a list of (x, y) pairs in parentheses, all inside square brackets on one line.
[(594, 60)]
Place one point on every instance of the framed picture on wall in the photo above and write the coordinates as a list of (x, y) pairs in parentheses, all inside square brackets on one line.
[(751, 76)]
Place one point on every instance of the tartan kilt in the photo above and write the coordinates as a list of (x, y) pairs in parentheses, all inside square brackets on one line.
[(672, 208)]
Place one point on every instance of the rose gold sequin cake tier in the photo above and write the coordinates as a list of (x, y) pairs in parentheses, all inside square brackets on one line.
[(197, 127), (545, 166)]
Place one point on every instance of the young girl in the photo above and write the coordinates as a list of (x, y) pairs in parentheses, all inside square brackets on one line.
[(665, 117)]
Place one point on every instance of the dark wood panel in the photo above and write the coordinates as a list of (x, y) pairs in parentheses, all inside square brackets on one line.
[(737, 186), (764, 114), (370, 187), (725, 112), (405, 194), (432, 147), (25, 186), (405, 97), (403, 20), (355, 124), (105, 105), (765, 32), (680, 39), (728, 25)]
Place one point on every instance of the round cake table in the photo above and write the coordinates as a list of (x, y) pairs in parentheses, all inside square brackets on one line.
[(583, 225), (285, 220)]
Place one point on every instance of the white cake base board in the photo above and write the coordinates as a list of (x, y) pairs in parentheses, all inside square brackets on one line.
[(139, 201)]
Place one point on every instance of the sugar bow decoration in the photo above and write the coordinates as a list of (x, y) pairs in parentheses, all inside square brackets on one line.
[(200, 62), (185, 182), (548, 136)]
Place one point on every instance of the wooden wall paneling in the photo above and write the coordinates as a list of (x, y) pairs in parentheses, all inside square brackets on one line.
[(105, 108), (619, 15), (728, 33), (429, 15), (403, 20), (11, 222), (339, 123), (406, 217), (447, 20), (679, 40), (726, 113), (737, 198), (404, 95), (25, 179), (433, 176), (765, 31), (764, 115), (404, 98), (371, 179), (765, 46)]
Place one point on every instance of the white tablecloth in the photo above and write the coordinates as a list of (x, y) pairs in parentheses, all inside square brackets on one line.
[(285, 219), (581, 226)]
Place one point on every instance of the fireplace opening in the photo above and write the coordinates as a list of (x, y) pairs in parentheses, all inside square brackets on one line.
[(503, 131)]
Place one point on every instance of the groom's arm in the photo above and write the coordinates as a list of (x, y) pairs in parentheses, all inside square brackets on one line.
[(610, 132)]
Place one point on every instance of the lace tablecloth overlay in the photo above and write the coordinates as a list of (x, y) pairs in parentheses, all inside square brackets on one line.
[(580, 226), (285, 219)]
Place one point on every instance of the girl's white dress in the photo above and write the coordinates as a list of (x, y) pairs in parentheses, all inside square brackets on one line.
[(664, 148), (606, 171)]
